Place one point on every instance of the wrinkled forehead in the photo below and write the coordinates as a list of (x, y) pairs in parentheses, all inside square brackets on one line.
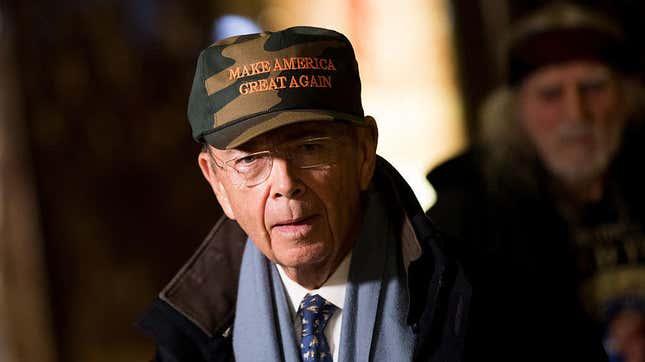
[(296, 131)]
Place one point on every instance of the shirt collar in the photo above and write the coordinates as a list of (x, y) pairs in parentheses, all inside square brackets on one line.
[(333, 290)]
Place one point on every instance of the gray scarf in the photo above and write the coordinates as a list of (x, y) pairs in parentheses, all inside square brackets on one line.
[(376, 302)]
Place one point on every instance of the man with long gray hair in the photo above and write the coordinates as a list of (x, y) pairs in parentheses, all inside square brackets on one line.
[(547, 210)]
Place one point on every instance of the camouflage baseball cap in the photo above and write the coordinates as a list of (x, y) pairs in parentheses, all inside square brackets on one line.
[(247, 85)]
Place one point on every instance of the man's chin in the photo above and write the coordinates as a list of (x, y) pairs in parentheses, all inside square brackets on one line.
[(578, 172), (304, 255)]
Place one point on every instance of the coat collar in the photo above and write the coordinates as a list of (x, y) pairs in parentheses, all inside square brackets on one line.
[(205, 289)]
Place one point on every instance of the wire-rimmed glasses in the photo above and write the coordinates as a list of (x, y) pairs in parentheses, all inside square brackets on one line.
[(254, 168)]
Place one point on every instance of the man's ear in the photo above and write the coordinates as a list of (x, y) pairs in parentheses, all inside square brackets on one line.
[(368, 140), (212, 176)]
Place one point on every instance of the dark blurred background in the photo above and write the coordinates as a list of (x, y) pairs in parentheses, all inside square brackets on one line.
[(101, 200)]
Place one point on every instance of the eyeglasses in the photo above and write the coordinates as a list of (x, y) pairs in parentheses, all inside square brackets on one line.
[(255, 168)]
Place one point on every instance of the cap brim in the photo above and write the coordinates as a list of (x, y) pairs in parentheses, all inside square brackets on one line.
[(238, 133)]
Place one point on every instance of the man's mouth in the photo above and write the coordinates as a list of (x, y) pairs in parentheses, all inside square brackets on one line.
[(300, 225)]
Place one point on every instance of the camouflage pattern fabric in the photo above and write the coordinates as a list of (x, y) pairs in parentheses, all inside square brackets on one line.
[(247, 85)]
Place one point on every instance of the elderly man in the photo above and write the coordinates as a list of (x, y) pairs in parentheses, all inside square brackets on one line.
[(547, 211), (325, 253)]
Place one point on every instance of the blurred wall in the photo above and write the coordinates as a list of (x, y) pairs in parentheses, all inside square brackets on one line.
[(25, 329), (104, 89)]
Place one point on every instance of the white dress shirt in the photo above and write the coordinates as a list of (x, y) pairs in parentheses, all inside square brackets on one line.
[(333, 291)]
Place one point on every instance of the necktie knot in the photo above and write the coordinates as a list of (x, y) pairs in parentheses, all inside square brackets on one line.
[(315, 312)]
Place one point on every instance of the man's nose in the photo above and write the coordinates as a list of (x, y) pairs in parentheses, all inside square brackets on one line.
[(284, 180), (575, 105)]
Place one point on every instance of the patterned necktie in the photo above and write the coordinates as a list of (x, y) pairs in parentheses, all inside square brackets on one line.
[(315, 312)]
